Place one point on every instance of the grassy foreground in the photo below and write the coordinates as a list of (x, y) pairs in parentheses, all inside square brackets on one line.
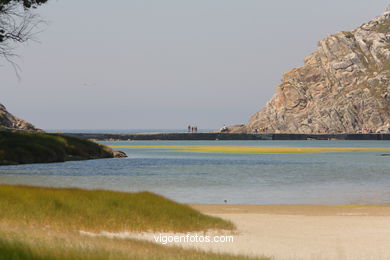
[(29, 147), (256, 149), (99, 210), (44, 223), (75, 247)]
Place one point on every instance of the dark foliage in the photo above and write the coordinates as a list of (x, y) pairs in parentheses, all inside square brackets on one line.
[(26, 147), (18, 24), (25, 3)]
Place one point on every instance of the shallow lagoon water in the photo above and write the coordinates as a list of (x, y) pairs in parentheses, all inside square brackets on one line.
[(192, 177)]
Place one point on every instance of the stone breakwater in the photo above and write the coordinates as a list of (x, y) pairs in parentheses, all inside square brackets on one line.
[(224, 136)]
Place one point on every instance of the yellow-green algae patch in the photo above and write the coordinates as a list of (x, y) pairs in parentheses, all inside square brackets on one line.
[(256, 149)]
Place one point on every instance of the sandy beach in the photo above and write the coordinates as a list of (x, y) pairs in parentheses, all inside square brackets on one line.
[(352, 232), (306, 231)]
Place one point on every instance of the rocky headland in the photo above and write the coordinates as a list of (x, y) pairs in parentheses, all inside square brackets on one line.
[(343, 87), (21, 143), (11, 122)]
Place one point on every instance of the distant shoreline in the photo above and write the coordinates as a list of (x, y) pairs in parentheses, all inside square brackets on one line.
[(298, 209), (223, 136)]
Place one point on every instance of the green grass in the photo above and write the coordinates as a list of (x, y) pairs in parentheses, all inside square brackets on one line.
[(99, 210), (71, 247), (28, 147), (39, 223)]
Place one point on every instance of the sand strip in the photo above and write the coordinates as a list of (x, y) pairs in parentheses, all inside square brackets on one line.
[(304, 210), (307, 232)]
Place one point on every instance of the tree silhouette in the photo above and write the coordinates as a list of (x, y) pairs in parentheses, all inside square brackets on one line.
[(17, 24)]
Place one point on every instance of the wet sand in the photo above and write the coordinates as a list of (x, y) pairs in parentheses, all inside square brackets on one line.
[(304, 210)]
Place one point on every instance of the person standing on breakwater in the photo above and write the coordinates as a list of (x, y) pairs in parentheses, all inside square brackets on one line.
[(192, 129)]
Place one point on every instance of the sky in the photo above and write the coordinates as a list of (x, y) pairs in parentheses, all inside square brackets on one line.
[(152, 64)]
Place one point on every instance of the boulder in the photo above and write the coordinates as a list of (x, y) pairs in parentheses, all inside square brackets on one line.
[(119, 154)]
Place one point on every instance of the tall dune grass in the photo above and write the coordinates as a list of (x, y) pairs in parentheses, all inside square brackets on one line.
[(39, 223), (99, 210), (73, 247)]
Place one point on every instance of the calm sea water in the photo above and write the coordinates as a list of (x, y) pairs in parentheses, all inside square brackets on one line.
[(331, 178), (127, 131)]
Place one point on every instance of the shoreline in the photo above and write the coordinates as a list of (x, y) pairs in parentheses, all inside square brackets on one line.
[(298, 209)]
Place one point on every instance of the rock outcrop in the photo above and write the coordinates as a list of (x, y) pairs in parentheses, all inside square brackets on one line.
[(236, 129), (21, 143), (343, 87), (8, 121)]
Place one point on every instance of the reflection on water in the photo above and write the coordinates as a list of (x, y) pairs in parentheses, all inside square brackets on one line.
[(334, 178)]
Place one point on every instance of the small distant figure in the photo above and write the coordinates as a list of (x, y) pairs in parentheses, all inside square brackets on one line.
[(196, 129), (225, 201), (189, 129)]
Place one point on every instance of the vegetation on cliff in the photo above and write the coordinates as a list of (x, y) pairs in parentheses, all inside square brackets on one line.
[(32, 147)]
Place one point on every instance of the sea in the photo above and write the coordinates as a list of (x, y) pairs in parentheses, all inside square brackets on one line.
[(234, 178)]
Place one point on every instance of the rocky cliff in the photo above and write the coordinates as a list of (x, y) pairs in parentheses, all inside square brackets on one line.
[(8, 121), (343, 87)]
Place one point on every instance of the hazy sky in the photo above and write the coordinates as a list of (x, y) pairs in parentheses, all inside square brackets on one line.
[(129, 64)]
